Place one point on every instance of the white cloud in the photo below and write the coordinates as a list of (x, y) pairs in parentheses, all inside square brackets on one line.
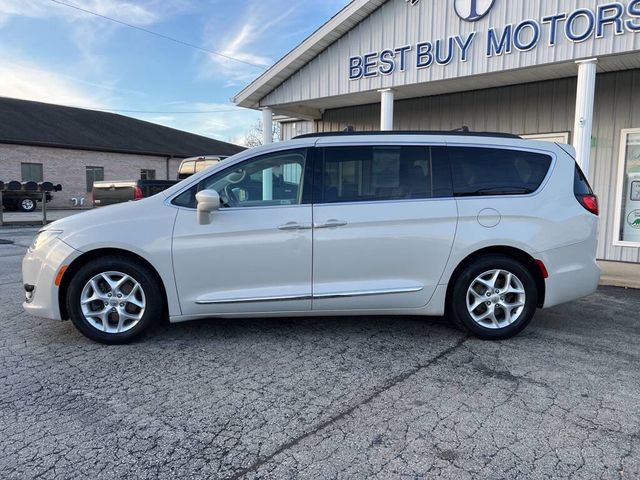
[(224, 122), (140, 13), (21, 80), (22, 77), (29, 82), (91, 32), (242, 43)]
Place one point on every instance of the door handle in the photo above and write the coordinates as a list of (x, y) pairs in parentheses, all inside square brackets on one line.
[(330, 224), (294, 226)]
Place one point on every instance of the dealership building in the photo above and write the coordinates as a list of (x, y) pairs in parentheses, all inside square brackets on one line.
[(565, 70)]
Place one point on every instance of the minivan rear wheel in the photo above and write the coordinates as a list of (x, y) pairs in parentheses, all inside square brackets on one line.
[(114, 299), (494, 298)]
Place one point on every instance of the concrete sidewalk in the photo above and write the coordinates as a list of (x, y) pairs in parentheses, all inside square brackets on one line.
[(620, 274)]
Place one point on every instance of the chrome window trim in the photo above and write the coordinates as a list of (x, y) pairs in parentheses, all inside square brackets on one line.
[(247, 209), (253, 300), (318, 205), (318, 296), (404, 142), (366, 293)]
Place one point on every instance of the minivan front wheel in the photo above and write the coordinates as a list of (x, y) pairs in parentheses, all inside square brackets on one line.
[(495, 297), (114, 300)]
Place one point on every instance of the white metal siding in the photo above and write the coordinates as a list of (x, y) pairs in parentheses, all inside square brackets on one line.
[(542, 107), (397, 23), (289, 130)]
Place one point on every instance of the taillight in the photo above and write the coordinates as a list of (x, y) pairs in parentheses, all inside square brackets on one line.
[(543, 269), (137, 193), (590, 203)]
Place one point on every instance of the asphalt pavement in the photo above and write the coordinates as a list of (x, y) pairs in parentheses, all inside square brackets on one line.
[(344, 398)]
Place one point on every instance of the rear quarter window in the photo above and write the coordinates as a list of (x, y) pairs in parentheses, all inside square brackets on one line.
[(580, 184), (480, 171)]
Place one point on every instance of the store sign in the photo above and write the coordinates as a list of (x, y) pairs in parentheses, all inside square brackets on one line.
[(472, 10), (603, 21)]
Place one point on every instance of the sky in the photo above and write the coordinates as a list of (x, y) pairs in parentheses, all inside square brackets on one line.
[(57, 54)]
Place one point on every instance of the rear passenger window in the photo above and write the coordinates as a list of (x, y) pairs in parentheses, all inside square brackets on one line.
[(492, 171), (378, 173)]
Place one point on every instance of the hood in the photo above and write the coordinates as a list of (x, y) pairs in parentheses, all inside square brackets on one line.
[(112, 216)]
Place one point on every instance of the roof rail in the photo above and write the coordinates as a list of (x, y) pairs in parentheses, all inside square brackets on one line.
[(459, 132)]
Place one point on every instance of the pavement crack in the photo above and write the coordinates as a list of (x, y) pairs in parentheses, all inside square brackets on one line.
[(392, 382)]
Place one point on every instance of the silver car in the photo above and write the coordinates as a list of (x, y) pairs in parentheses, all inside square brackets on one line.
[(483, 228)]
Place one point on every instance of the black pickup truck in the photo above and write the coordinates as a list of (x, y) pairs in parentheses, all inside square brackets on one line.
[(109, 192), (24, 196)]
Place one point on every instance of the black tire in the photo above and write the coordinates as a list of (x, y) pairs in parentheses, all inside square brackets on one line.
[(27, 205), (458, 301), (154, 300)]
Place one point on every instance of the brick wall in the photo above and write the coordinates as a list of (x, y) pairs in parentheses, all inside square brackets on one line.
[(68, 167)]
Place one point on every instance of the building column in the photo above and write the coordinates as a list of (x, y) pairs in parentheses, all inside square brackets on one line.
[(267, 126), (386, 109), (267, 138), (585, 98)]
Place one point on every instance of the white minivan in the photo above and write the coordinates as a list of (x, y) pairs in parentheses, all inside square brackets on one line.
[(483, 228)]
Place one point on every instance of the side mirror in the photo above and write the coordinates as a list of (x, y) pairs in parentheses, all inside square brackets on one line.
[(208, 202)]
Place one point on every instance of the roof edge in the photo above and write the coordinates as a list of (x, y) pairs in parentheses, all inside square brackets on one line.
[(112, 114), (86, 148)]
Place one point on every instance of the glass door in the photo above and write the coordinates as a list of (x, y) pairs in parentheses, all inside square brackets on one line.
[(628, 191)]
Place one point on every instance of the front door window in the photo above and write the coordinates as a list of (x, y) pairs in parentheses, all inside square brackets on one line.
[(269, 180)]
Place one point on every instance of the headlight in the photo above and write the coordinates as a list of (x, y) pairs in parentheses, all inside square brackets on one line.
[(43, 237)]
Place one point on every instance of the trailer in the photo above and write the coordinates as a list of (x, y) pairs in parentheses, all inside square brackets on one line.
[(24, 196)]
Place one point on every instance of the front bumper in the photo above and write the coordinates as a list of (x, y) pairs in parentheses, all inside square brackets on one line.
[(39, 270)]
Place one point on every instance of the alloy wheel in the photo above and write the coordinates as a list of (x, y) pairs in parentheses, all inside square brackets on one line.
[(496, 299), (113, 302)]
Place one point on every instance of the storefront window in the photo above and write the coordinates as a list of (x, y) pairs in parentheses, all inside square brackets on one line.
[(629, 188)]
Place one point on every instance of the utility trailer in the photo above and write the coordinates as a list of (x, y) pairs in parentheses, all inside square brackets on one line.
[(24, 196)]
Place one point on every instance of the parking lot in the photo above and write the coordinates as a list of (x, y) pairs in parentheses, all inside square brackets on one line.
[(405, 398)]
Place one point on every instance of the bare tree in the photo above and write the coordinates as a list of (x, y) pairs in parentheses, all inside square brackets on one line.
[(254, 136)]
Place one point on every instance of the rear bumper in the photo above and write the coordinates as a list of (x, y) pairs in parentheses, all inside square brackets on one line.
[(40, 269), (573, 273)]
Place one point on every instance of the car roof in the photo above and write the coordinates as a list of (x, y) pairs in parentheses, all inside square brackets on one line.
[(204, 157), (462, 133)]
